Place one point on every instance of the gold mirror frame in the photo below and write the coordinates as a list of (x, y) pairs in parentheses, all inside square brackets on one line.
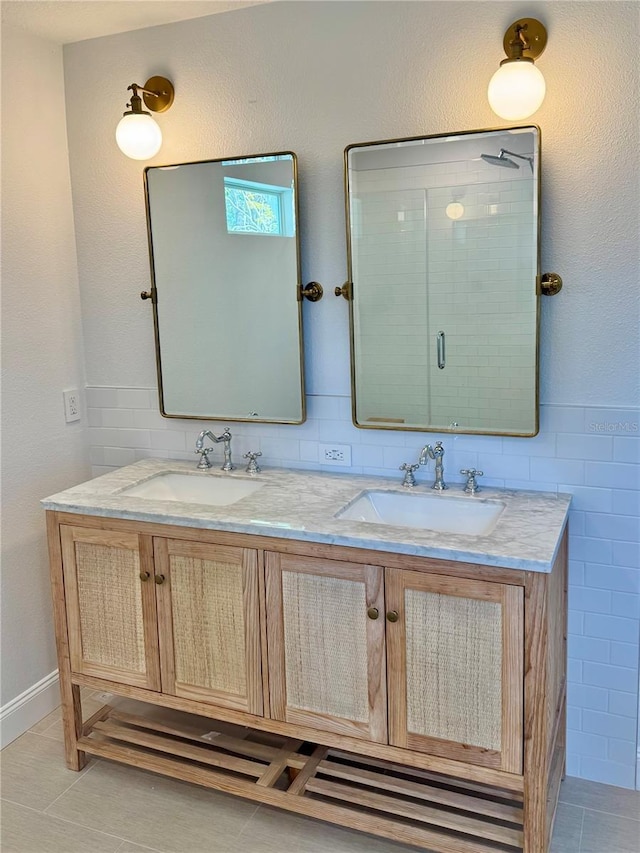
[(350, 289), (204, 369)]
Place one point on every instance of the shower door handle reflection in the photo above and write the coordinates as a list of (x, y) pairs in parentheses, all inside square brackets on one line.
[(440, 350)]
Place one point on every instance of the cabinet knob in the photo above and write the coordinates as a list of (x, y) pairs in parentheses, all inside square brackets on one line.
[(373, 613), (144, 576), (159, 579), (392, 616)]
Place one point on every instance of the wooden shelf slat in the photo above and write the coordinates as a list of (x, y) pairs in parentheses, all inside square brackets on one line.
[(416, 811), (201, 754), (422, 791), (239, 745), (427, 775)]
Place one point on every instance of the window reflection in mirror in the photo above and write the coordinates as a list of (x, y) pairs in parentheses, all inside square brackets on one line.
[(225, 264), (443, 254)]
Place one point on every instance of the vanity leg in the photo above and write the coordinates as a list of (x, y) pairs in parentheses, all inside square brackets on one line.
[(536, 734), (72, 724), (536, 830), (545, 657), (69, 693)]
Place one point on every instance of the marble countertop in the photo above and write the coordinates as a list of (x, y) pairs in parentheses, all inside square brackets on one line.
[(293, 504)]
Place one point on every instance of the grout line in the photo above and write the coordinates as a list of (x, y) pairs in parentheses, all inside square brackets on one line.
[(73, 823), (611, 814), (81, 775), (584, 811), (44, 734), (22, 805), (248, 820), (603, 811), (135, 844)]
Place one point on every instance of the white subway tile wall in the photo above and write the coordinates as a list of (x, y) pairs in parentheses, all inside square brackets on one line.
[(604, 590)]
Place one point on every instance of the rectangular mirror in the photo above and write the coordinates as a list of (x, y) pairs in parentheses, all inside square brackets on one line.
[(443, 246), (225, 265)]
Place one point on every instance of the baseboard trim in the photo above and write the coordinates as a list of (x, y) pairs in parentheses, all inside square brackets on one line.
[(17, 716)]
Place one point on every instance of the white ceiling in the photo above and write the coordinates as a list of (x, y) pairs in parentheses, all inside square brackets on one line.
[(64, 21)]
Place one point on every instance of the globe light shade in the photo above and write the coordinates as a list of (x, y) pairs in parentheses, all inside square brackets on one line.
[(138, 136), (455, 210), (516, 90)]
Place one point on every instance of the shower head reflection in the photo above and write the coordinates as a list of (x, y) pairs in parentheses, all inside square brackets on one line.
[(501, 159)]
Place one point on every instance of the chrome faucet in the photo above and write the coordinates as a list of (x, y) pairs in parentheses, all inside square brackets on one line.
[(435, 453), (204, 452)]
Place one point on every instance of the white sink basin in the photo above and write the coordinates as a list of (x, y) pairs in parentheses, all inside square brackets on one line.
[(194, 488), (442, 513)]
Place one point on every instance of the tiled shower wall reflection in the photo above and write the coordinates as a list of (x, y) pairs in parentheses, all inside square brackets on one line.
[(481, 274), (592, 453), (451, 253)]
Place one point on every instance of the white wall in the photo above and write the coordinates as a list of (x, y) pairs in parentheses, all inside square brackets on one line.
[(41, 354), (313, 78)]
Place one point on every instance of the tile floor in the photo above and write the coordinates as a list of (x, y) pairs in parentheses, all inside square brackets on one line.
[(108, 808)]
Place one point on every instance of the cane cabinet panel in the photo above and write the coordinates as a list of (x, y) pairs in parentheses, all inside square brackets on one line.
[(325, 627), (455, 661), (209, 623), (111, 607)]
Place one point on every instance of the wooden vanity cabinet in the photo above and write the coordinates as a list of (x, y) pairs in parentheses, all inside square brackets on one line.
[(394, 684), (164, 614)]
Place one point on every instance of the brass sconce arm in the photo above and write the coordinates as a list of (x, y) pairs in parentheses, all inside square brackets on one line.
[(518, 44), (158, 94), (525, 39)]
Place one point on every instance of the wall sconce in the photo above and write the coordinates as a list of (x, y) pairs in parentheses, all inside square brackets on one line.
[(517, 89), (137, 134)]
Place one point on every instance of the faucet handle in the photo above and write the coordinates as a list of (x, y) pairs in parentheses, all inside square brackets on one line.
[(471, 486), (203, 452), (252, 465), (408, 468)]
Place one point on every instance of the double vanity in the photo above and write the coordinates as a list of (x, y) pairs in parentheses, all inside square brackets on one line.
[(379, 657)]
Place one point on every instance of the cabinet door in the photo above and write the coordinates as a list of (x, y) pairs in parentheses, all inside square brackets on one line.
[(325, 629), (111, 607), (455, 660), (209, 623)]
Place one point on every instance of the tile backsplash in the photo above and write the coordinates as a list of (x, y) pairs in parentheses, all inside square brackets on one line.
[(592, 453)]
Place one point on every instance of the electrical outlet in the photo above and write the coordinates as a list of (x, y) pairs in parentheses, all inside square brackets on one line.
[(335, 454), (71, 405)]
